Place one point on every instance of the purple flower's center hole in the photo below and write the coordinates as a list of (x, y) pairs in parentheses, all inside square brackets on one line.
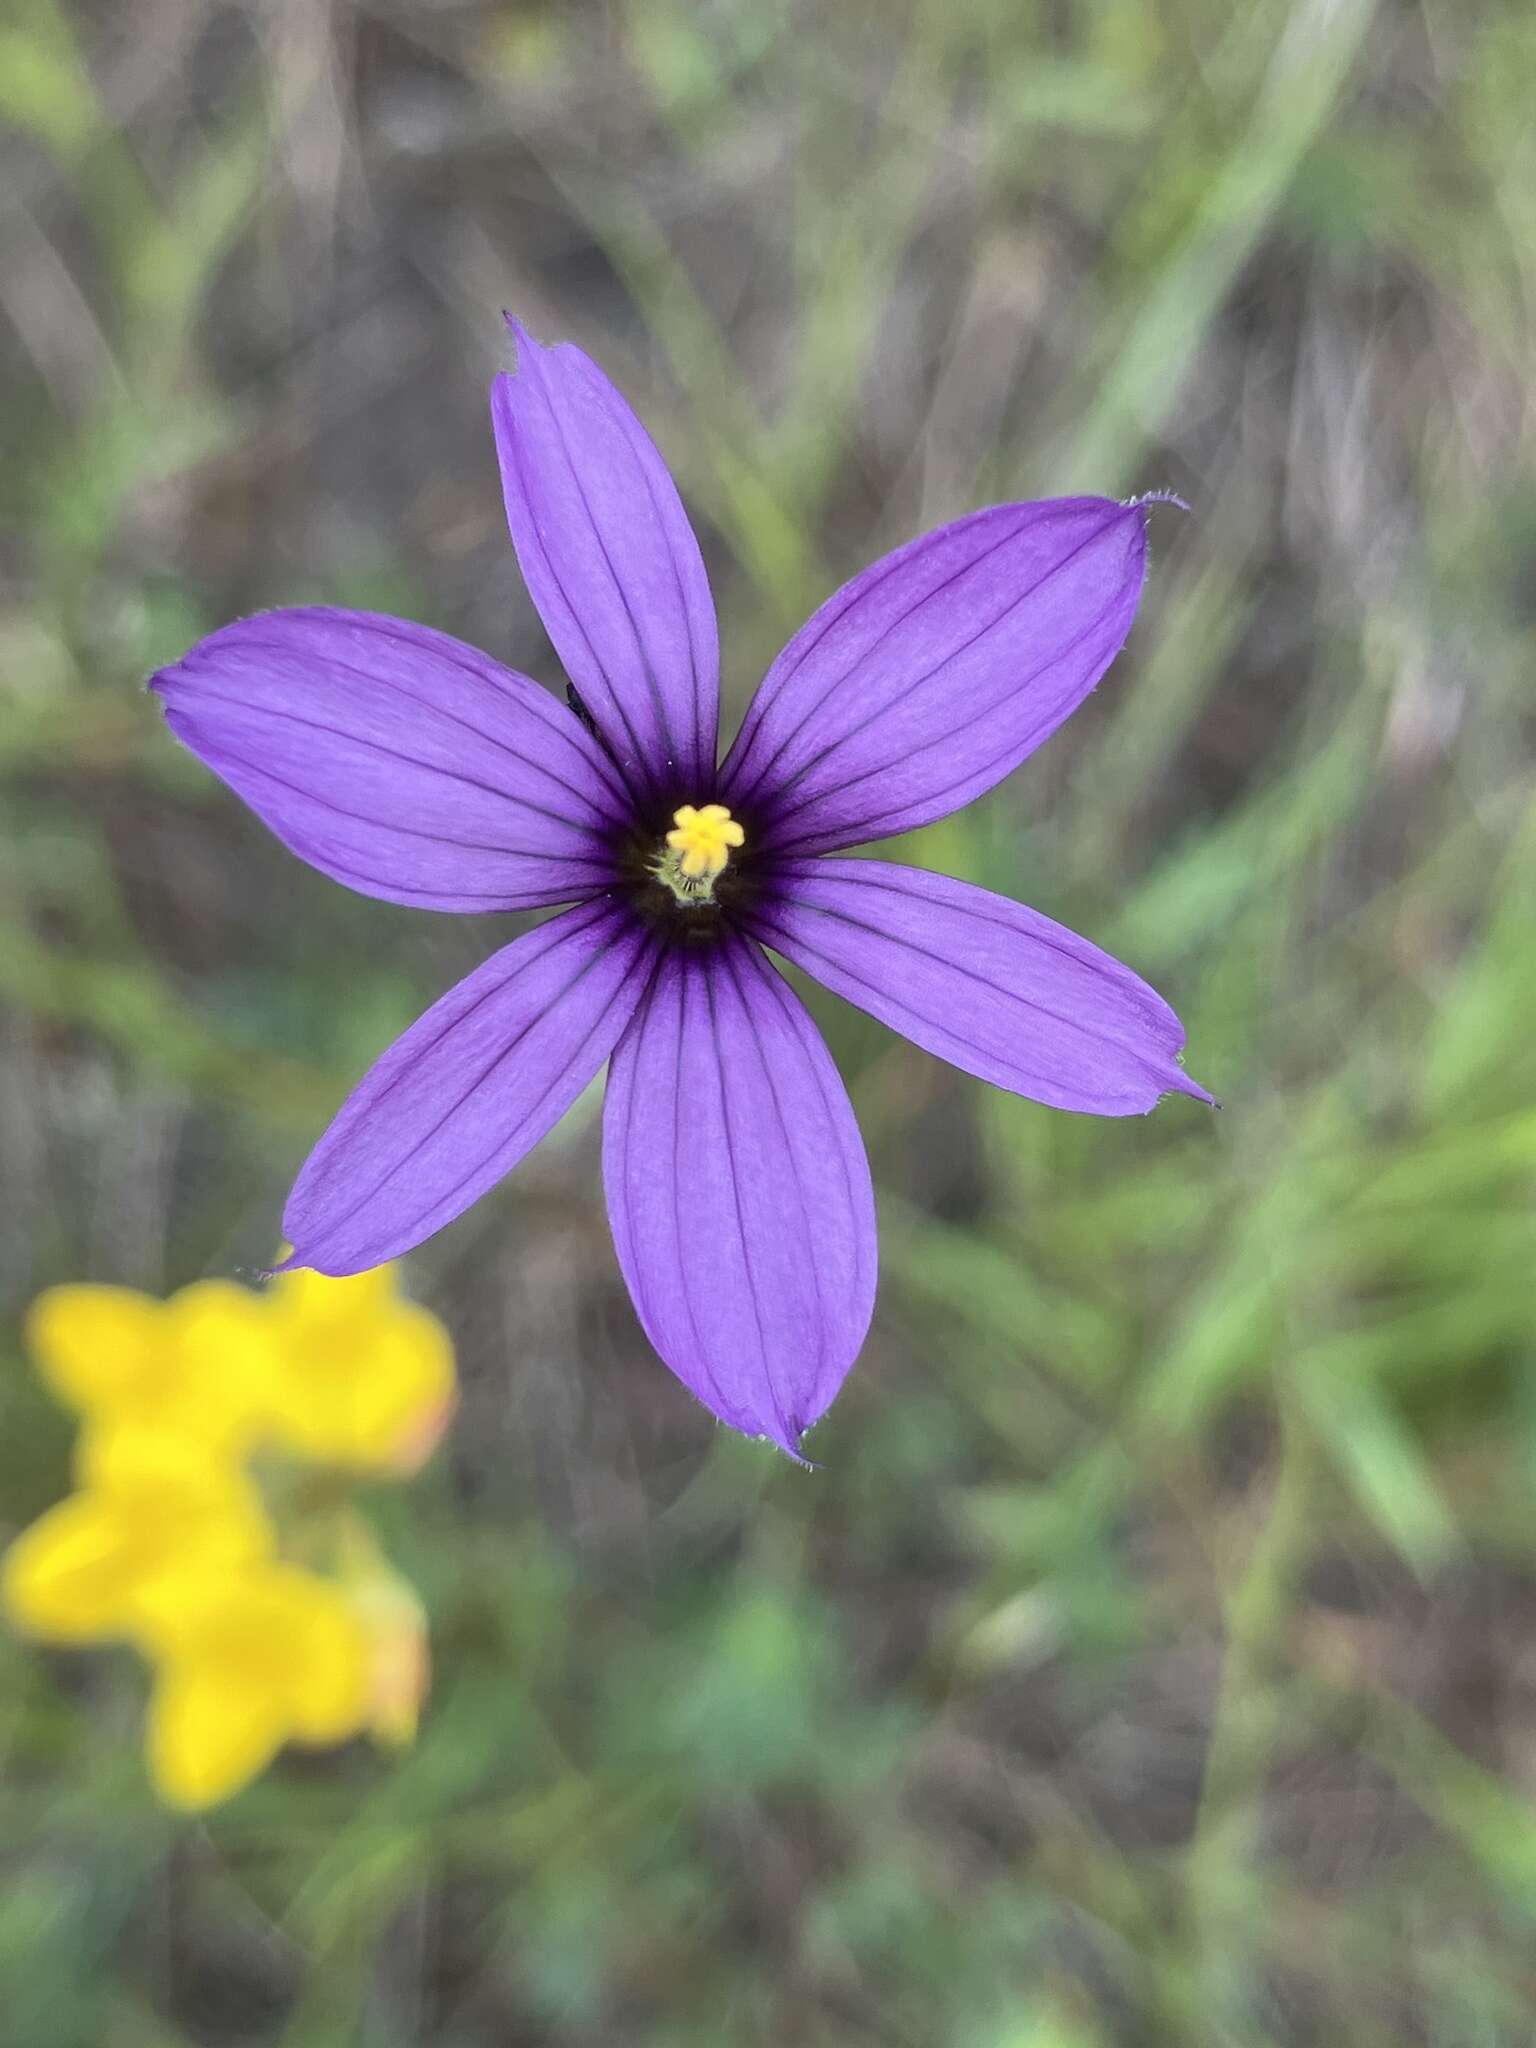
[(696, 852)]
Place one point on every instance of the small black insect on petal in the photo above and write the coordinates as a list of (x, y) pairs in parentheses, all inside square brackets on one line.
[(573, 699)]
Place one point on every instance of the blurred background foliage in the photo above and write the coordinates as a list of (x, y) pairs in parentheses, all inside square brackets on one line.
[(1153, 1660)]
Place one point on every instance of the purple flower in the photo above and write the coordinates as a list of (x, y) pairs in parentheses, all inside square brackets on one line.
[(405, 764)]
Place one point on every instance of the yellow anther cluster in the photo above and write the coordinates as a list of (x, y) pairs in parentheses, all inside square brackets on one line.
[(702, 840)]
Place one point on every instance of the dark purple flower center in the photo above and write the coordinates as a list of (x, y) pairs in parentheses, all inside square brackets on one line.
[(690, 868)]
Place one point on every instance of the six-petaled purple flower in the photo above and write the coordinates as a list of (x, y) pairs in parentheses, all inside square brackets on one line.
[(409, 766)]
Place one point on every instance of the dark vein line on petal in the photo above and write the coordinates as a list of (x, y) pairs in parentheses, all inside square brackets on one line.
[(741, 1228), (543, 555), (421, 705), (704, 1360), (602, 862), (981, 906), (812, 1240), (702, 757), (409, 1062), (364, 743), (652, 684), (510, 1139), (924, 809), (863, 655), (831, 614), (945, 1030), (840, 1119), (887, 705), (525, 695)]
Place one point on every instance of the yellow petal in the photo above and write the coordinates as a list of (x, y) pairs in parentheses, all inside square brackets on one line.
[(72, 1577), (95, 1345), (279, 1632), (215, 1610), (331, 1676), (304, 1297), (210, 1733), (173, 1482), (218, 1315), (198, 1363), (158, 1516), (361, 1382), (92, 1566), (220, 1365)]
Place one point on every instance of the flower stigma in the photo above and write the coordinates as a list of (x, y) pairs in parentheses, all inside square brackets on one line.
[(697, 851)]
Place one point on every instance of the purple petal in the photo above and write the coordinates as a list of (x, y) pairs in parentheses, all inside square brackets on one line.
[(934, 673), (999, 990), (612, 564), (473, 1085), (398, 760), (739, 1192)]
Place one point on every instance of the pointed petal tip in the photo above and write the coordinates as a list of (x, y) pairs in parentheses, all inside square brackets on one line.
[(164, 681), (789, 1437), (798, 1453), (521, 337), (797, 1457), (1186, 1084), (299, 1261), (780, 1435)]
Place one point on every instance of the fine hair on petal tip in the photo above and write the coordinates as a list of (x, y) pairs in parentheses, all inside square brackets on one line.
[(1159, 497)]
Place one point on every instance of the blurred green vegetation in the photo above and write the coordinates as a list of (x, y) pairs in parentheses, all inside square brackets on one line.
[(1151, 1660)]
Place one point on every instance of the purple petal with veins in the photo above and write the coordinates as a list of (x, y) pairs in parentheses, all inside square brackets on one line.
[(455, 1103), (934, 673), (398, 760), (739, 1192), (611, 562), (983, 982)]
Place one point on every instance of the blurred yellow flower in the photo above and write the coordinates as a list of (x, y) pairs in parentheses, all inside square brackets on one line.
[(149, 1505), (167, 1542), (338, 1371), (246, 1663), (198, 1364), (361, 1377)]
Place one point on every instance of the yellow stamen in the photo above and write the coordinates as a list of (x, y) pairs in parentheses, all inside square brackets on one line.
[(701, 844)]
